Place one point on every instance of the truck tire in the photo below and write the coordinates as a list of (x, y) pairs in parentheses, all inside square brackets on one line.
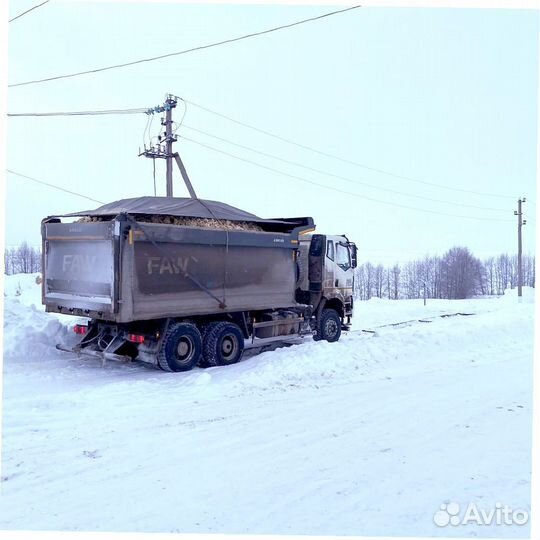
[(329, 326), (181, 347), (223, 344)]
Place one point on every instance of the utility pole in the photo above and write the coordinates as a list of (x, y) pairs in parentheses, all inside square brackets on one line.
[(164, 148), (169, 139), (521, 222)]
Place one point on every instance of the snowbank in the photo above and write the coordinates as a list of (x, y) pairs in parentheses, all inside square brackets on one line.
[(511, 295), (24, 287), (29, 333)]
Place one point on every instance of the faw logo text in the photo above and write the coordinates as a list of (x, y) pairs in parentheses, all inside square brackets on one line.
[(164, 265), (76, 263)]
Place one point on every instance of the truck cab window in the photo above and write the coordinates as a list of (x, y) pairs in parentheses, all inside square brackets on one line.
[(343, 257), (330, 249)]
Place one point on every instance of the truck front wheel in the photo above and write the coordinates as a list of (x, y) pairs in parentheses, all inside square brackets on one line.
[(329, 327), (181, 347), (223, 344)]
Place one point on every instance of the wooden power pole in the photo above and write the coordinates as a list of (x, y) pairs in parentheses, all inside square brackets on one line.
[(164, 148), (521, 222), (169, 139)]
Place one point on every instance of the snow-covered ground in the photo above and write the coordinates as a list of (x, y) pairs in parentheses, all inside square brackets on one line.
[(367, 436)]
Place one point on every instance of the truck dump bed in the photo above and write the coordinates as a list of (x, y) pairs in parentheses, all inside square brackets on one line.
[(156, 257)]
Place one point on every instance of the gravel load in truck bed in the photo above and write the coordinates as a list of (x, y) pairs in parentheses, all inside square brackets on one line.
[(206, 223)]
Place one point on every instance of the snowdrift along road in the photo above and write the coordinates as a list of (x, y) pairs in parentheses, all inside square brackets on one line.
[(365, 436)]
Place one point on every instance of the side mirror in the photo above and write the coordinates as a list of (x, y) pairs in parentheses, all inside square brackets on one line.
[(318, 243), (354, 258)]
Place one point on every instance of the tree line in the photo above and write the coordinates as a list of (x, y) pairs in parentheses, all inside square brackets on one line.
[(23, 259), (457, 274)]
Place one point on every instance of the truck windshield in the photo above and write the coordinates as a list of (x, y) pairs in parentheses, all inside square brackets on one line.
[(343, 258)]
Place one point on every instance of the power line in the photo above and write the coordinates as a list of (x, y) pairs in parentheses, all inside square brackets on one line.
[(145, 111), (28, 11), (53, 186), (82, 113), (344, 160), (273, 156), (185, 51), (347, 179), (308, 181)]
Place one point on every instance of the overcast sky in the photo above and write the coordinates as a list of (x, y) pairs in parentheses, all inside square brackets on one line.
[(441, 96)]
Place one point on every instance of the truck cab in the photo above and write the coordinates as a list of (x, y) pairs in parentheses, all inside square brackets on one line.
[(326, 266)]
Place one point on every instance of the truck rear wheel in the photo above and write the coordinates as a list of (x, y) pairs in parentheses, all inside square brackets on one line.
[(181, 347), (223, 344), (329, 327)]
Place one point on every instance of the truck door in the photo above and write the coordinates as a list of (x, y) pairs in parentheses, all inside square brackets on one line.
[(343, 273), (329, 264)]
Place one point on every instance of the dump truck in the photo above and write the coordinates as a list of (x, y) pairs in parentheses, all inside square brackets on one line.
[(179, 282)]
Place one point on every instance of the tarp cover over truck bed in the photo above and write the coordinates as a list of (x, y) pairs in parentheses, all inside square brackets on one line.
[(184, 207)]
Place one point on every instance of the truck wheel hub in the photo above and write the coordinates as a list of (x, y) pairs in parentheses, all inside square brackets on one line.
[(184, 348), (228, 346), (331, 328)]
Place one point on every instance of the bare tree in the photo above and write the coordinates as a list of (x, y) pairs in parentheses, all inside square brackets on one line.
[(456, 275), (460, 273), (396, 271), (528, 270), (360, 282), (489, 266), (24, 259), (370, 272), (378, 276)]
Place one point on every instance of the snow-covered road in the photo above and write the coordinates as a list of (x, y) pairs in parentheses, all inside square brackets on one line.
[(366, 436)]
